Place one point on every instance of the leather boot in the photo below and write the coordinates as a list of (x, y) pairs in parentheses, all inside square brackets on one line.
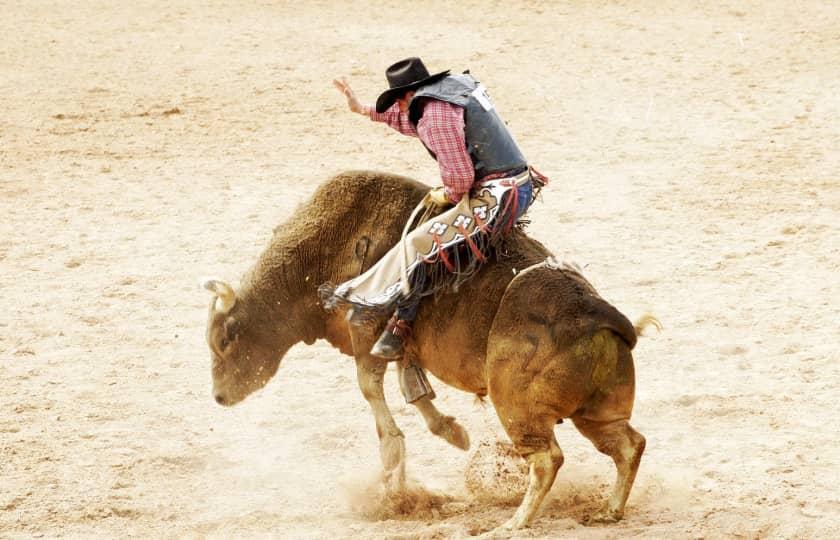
[(390, 344)]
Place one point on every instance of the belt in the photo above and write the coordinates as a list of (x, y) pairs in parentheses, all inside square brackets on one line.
[(517, 180)]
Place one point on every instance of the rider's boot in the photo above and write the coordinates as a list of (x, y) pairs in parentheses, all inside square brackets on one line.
[(390, 344)]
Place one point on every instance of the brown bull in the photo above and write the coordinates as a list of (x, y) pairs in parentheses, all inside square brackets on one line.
[(533, 336)]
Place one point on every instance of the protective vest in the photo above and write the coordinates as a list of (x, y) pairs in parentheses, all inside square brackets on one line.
[(489, 143)]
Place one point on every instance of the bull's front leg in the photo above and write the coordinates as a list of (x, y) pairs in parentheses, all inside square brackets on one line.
[(370, 372), (445, 427)]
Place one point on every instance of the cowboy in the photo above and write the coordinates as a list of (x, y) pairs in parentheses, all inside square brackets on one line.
[(453, 117)]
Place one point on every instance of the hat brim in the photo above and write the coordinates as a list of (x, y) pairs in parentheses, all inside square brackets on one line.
[(388, 97)]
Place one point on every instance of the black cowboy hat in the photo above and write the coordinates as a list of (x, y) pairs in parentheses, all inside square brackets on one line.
[(403, 76)]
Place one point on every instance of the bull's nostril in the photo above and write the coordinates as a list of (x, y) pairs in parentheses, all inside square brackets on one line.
[(220, 399)]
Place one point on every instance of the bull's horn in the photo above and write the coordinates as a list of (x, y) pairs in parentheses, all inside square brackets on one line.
[(226, 295)]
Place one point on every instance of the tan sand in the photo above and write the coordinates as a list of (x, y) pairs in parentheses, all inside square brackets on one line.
[(696, 173)]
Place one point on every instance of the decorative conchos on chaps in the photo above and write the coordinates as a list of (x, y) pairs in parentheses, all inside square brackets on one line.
[(441, 253)]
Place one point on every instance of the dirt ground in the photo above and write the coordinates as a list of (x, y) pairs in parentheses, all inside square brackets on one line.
[(693, 152)]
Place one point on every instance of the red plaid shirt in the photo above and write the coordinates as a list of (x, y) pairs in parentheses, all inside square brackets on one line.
[(441, 128)]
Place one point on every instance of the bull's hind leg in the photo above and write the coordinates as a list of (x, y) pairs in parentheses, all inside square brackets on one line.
[(604, 420), (445, 427), (543, 467), (537, 444), (625, 446)]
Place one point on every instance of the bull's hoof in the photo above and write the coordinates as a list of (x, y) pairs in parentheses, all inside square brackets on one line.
[(505, 529), (510, 525), (604, 516), (452, 432)]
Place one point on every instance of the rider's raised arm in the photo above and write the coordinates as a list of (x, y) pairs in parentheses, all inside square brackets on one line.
[(395, 118)]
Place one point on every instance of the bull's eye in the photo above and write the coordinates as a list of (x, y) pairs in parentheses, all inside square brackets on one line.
[(224, 343)]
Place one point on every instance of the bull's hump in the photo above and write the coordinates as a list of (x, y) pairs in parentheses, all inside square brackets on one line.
[(350, 187)]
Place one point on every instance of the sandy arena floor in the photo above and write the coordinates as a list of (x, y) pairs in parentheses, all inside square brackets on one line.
[(695, 160)]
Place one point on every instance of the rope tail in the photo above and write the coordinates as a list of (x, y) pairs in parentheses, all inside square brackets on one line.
[(405, 287)]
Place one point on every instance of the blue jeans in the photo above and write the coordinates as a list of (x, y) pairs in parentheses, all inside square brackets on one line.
[(525, 194)]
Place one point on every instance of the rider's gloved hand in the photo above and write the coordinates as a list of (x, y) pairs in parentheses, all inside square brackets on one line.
[(438, 197)]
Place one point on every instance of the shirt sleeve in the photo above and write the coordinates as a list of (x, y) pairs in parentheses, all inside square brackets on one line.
[(395, 118), (441, 128)]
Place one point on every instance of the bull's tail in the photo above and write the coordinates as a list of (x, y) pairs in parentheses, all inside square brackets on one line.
[(644, 321)]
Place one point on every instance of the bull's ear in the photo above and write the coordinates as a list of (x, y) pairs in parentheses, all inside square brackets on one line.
[(225, 293), (232, 327)]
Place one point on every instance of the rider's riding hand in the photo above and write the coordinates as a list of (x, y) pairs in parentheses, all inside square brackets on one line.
[(438, 197)]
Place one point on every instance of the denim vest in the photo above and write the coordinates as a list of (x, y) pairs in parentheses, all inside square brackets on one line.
[(489, 143)]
